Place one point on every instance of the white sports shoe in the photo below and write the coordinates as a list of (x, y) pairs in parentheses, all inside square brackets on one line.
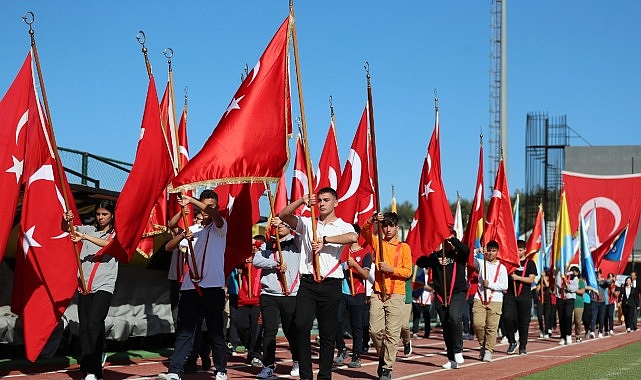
[(167, 376), (221, 376), (91, 376), (295, 370), (504, 340), (458, 358)]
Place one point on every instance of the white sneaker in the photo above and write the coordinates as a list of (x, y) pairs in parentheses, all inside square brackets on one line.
[(627, 330), (450, 365), (562, 342), (221, 376), (592, 334), (611, 332), (266, 373), (541, 334), (504, 340), (164, 376), (295, 370), (600, 335), (568, 340), (546, 336), (91, 376), (458, 358)]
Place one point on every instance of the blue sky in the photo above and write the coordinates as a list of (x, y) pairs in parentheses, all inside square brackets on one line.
[(578, 58)]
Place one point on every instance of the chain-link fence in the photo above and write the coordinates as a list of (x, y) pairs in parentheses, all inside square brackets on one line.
[(92, 170)]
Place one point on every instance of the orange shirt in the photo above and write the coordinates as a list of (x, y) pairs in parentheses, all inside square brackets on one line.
[(394, 282)]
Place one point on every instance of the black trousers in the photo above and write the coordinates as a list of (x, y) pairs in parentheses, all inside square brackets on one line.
[(92, 311), (516, 313), (353, 306), (321, 299), (587, 317), (451, 317), (191, 309), (365, 324), (565, 309), (250, 332), (421, 311), (273, 307)]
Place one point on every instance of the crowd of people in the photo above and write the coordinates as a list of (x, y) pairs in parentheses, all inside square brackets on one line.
[(331, 271)]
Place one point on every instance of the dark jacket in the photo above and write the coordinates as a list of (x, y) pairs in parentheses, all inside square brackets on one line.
[(456, 262)]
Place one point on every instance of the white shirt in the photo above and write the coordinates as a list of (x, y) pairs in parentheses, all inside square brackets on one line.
[(178, 253), (330, 255), (495, 288), (214, 240)]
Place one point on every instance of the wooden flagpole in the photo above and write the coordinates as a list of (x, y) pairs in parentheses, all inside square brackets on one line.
[(370, 105), (308, 161), (282, 276), (443, 258), (29, 19), (175, 153)]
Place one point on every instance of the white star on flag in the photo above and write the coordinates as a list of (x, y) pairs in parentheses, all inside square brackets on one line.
[(29, 241), (233, 105), (427, 190), (16, 168)]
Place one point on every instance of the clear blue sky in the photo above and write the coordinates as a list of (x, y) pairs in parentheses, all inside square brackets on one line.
[(579, 58)]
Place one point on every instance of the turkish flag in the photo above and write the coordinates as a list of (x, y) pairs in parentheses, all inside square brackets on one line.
[(169, 125), (433, 217), (356, 189), (251, 139), (183, 159), (150, 173), (499, 222), (300, 182), (46, 272), (616, 203), (14, 113), (329, 164), (472, 236), (534, 243), (238, 203)]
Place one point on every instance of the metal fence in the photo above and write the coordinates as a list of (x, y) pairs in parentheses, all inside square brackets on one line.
[(92, 170)]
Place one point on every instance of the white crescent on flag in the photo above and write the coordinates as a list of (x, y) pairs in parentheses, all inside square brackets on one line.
[(355, 160)]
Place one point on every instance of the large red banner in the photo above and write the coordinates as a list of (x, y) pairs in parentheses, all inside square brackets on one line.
[(617, 200)]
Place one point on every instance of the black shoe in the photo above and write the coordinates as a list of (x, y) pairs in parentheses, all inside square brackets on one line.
[(342, 355), (522, 352), (407, 348), (386, 374), (379, 371), (206, 363), (511, 349), (356, 362)]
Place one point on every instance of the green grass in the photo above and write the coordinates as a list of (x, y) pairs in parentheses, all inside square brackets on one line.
[(620, 363)]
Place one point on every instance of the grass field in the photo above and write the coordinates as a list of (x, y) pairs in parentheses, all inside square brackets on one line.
[(620, 363)]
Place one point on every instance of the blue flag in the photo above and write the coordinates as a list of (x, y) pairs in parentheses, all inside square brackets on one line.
[(616, 250), (587, 265)]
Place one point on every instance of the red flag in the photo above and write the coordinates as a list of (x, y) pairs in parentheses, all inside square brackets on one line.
[(472, 236), (329, 164), (355, 189), (169, 125), (535, 241), (148, 178), (238, 204), (250, 141), (433, 217), (616, 202), (300, 183), (183, 159), (46, 268), (499, 222), (14, 108)]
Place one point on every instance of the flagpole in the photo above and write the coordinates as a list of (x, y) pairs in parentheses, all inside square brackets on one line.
[(282, 276), (370, 106), (29, 19), (308, 161), (169, 53)]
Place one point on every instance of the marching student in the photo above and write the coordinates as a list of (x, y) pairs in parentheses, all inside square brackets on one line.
[(386, 310), (488, 302), (356, 268), (450, 293), (203, 295), (279, 283), (517, 301), (314, 293), (101, 282)]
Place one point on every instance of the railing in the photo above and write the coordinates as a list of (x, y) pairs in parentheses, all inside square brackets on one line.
[(101, 172)]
